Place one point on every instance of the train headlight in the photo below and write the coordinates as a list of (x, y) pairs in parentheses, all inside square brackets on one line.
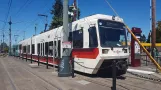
[(105, 51), (125, 50)]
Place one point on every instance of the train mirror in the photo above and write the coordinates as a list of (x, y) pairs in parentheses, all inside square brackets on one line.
[(127, 34)]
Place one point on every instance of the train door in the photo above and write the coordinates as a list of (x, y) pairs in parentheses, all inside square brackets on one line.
[(57, 46), (38, 48), (78, 42)]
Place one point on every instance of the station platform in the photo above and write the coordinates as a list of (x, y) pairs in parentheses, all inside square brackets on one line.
[(17, 74), (24, 76)]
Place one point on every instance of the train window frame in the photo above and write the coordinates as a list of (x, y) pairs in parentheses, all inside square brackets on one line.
[(50, 48), (59, 48), (33, 48), (38, 48), (55, 54), (24, 49), (46, 48), (20, 46), (93, 37), (28, 49), (41, 52), (77, 38)]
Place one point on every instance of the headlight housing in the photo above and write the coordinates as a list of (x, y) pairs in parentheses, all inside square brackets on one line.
[(105, 51)]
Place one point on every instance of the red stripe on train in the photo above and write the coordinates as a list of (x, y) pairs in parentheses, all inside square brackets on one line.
[(90, 53)]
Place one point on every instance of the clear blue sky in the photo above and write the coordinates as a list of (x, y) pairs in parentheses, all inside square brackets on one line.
[(134, 12)]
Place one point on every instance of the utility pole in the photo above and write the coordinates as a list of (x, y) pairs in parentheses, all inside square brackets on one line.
[(75, 10), (10, 23), (64, 67), (153, 26), (3, 41), (46, 24)]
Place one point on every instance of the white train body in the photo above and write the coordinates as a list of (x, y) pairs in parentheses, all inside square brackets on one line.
[(97, 40)]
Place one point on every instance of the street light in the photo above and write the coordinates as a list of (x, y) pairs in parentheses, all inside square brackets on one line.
[(46, 20), (73, 12)]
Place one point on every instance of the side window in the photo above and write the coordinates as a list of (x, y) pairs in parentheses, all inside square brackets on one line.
[(57, 45), (33, 48), (24, 49), (20, 47), (55, 48), (92, 37), (41, 50), (46, 48), (28, 49), (51, 48), (59, 48), (78, 39), (38, 48)]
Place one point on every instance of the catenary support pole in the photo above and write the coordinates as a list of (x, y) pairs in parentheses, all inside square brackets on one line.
[(64, 66), (153, 26), (10, 23)]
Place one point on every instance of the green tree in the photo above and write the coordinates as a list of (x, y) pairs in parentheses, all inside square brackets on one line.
[(57, 11), (158, 33), (142, 38), (4, 47)]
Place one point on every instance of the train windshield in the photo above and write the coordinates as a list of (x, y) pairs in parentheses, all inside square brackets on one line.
[(112, 34)]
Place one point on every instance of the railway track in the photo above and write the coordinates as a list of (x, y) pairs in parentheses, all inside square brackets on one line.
[(126, 82)]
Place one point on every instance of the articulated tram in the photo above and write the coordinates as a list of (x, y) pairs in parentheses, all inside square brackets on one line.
[(97, 40)]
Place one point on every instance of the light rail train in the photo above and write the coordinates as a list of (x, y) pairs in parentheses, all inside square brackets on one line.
[(97, 40)]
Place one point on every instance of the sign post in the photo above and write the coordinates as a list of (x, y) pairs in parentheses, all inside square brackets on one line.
[(135, 48)]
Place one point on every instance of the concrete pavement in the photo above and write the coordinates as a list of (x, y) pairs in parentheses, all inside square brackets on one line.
[(17, 74), (24, 77)]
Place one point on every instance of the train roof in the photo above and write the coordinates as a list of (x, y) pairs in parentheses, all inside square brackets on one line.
[(89, 18), (101, 16)]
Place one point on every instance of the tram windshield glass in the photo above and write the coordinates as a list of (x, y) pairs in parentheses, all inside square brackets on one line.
[(112, 34)]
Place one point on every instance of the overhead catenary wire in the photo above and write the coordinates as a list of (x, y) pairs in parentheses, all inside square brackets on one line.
[(23, 7), (6, 18), (37, 18), (7, 14), (112, 8)]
